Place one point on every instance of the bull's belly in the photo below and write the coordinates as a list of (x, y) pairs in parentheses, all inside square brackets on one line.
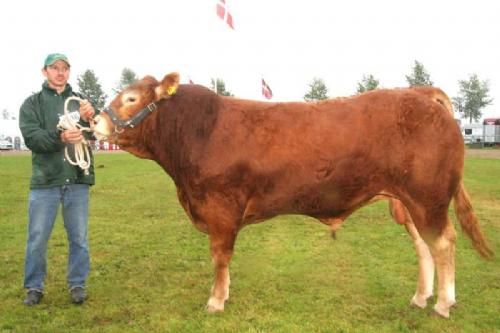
[(321, 207)]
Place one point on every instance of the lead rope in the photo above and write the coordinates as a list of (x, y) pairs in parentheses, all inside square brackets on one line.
[(82, 154)]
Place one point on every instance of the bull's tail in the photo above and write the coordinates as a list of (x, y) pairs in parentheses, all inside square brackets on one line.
[(438, 96), (469, 222), (444, 100)]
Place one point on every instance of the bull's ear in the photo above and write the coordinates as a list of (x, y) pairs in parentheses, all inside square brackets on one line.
[(168, 86)]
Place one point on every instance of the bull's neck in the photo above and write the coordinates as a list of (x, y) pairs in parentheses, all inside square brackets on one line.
[(176, 133), (137, 142)]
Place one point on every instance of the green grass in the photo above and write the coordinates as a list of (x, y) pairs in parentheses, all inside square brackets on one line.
[(151, 270)]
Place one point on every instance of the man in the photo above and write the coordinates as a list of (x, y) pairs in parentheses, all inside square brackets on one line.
[(55, 182)]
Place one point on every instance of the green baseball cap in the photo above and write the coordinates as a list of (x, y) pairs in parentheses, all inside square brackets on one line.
[(53, 57)]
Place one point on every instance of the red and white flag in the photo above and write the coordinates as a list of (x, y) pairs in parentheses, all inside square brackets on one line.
[(224, 14), (266, 91)]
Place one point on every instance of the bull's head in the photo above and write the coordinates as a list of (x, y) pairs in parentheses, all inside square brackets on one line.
[(133, 104)]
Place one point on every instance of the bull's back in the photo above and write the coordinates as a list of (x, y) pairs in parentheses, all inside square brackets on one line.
[(302, 133)]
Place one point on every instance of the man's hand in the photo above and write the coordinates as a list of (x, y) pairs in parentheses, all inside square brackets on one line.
[(72, 136), (86, 110)]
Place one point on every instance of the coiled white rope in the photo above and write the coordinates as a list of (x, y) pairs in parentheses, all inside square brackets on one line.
[(81, 149)]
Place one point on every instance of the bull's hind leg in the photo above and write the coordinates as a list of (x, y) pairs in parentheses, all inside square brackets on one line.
[(442, 248), (425, 281), (425, 284), (221, 248), (439, 234)]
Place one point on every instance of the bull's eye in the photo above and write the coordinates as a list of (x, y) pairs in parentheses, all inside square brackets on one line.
[(131, 99)]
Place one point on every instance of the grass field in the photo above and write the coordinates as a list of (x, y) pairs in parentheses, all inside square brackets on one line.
[(151, 270)]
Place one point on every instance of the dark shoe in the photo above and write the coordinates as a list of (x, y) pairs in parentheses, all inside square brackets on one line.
[(78, 295), (33, 297)]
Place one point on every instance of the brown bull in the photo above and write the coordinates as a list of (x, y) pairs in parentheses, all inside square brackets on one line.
[(236, 162)]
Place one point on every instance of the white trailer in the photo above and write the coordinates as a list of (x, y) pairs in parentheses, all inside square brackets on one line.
[(473, 133), (491, 131)]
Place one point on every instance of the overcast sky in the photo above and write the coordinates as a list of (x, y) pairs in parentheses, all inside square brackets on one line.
[(286, 42)]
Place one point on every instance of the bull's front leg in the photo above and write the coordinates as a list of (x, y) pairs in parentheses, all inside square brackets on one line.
[(221, 248)]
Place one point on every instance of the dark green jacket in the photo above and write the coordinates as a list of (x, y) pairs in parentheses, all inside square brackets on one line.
[(38, 120)]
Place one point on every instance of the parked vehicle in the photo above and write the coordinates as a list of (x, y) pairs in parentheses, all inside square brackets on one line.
[(6, 145), (473, 133), (491, 131)]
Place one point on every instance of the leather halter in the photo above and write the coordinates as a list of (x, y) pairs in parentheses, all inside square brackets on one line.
[(132, 122)]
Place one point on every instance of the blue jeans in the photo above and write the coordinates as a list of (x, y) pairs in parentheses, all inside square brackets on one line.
[(43, 207)]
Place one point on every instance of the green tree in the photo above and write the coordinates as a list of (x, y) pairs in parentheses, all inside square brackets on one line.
[(419, 76), (90, 87), (221, 87), (317, 91), (367, 83), (127, 78), (472, 97)]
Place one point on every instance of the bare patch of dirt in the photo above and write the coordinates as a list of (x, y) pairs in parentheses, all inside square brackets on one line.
[(14, 152), (487, 153)]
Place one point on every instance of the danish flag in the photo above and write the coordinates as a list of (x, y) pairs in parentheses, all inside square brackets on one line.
[(224, 14), (266, 91)]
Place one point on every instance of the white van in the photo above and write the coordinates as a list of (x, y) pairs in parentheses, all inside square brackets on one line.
[(6, 145)]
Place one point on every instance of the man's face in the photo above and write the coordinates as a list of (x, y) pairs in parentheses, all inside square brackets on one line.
[(57, 74)]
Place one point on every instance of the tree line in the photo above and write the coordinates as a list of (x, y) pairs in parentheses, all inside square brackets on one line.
[(472, 98)]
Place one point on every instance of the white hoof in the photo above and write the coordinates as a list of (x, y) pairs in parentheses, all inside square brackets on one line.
[(215, 305), (419, 301), (443, 311)]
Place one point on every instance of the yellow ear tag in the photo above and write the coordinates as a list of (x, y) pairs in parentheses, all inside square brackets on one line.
[(171, 90)]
